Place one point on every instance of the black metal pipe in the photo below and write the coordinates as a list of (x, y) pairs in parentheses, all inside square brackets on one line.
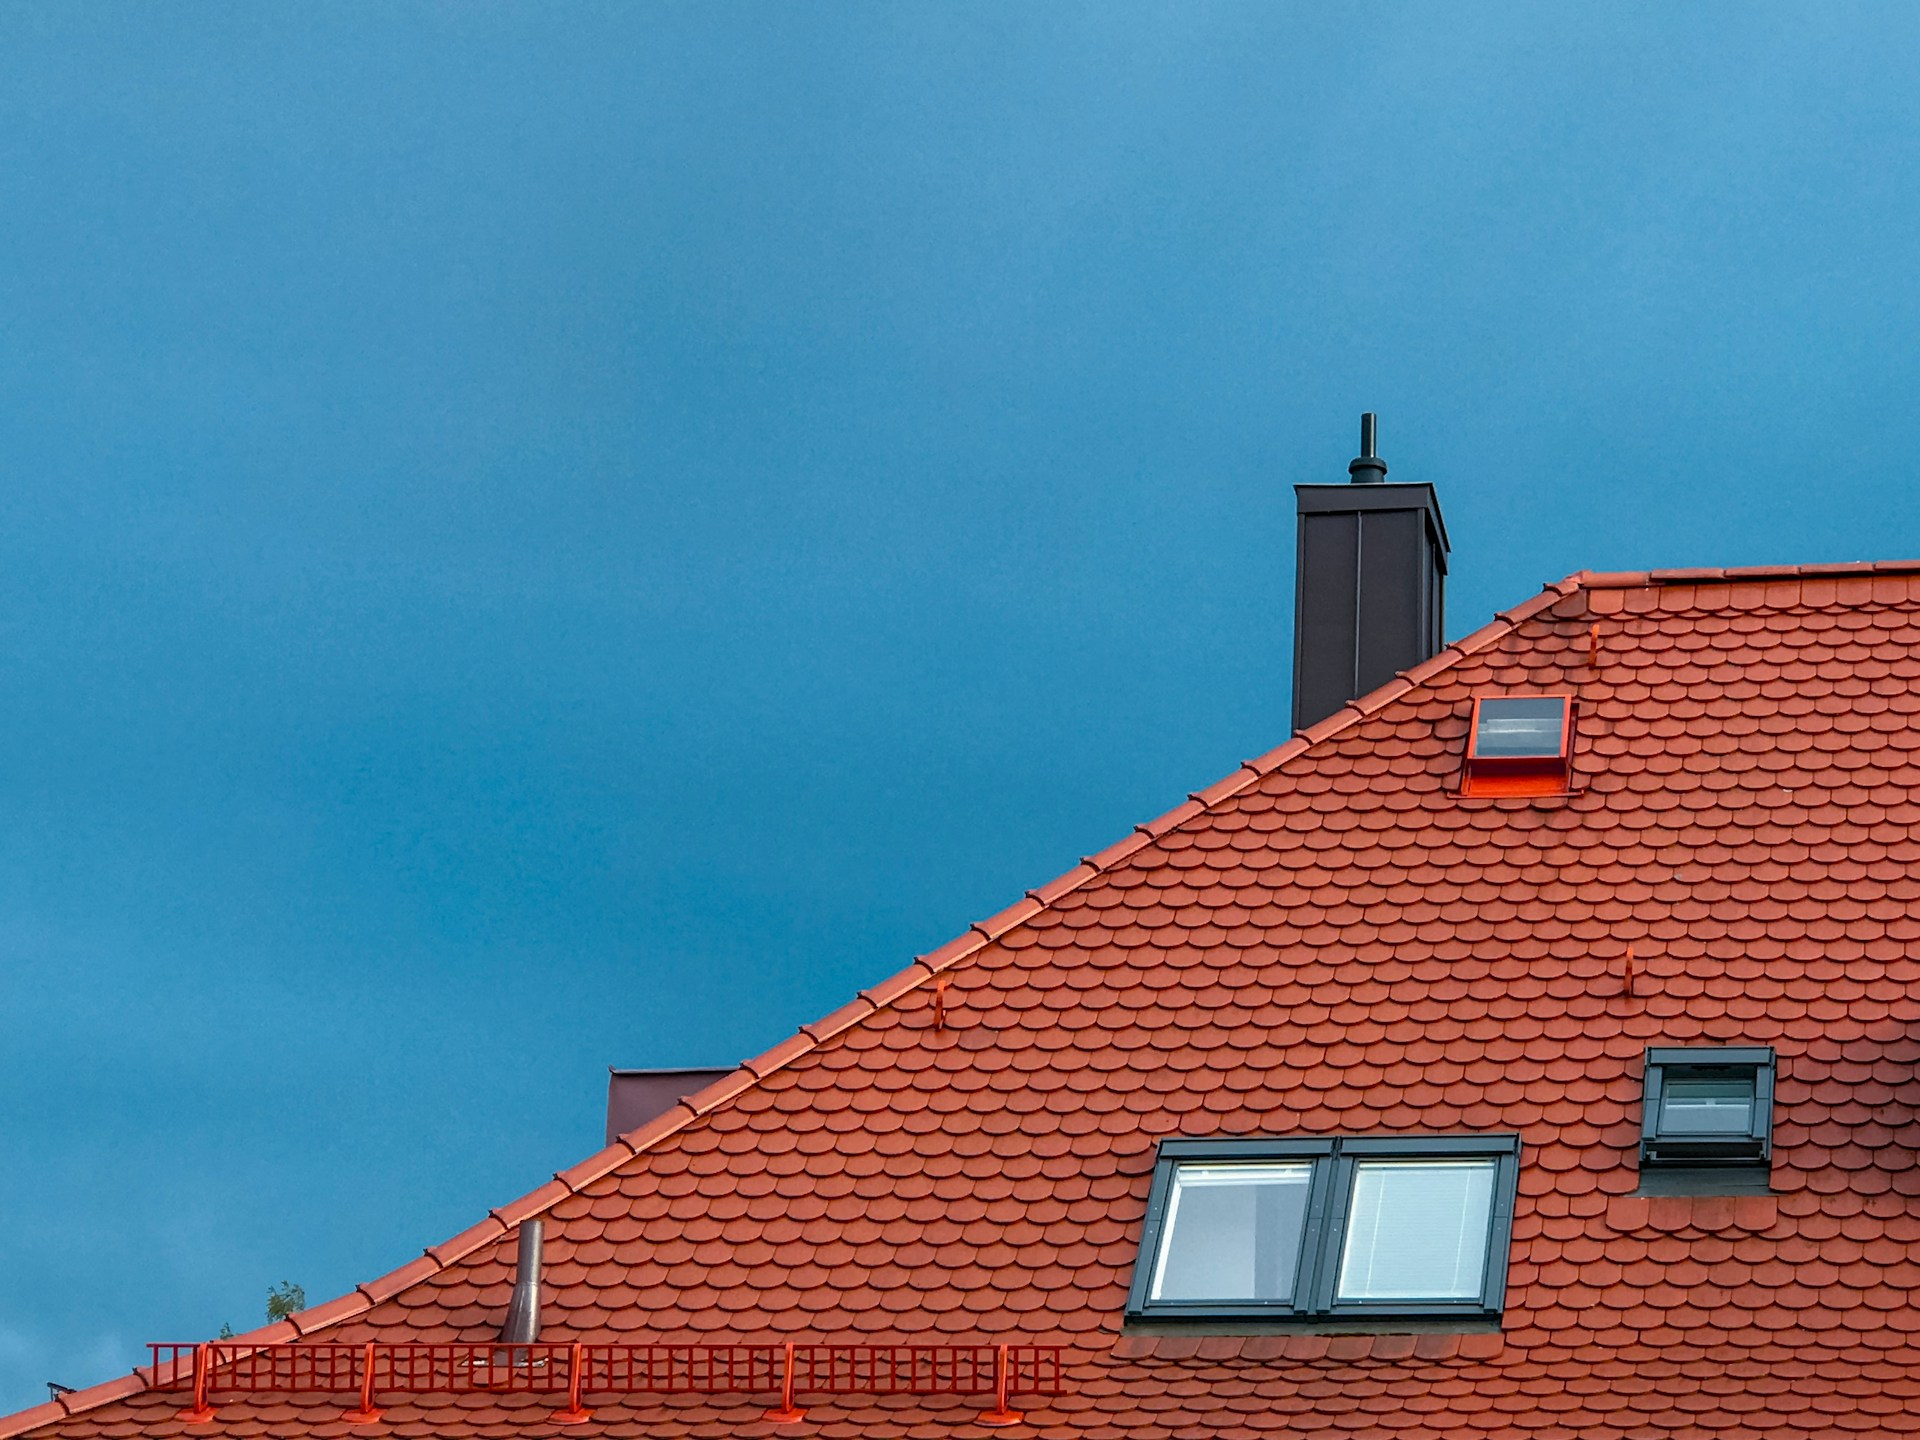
[(1367, 467)]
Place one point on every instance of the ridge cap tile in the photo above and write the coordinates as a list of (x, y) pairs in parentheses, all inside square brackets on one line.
[(895, 986), (1382, 696), (328, 1312), (279, 1332), (994, 926), (823, 1029), (1472, 643), (762, 1065), (1845, 567), (1225, 788), (958, 948), (535, 1202), (578, 1176), (1549, 596), (1328, 726), (385, 1287), (1125, 848), (1419, 674), (480, 1233), (1685, 575), (1063, 884), (1264, 765), (1188, 809)]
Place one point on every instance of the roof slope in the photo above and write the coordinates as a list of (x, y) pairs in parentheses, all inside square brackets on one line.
[(1330, 941)]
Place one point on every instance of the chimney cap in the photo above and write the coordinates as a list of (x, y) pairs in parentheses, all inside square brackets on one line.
[(1367, 468)]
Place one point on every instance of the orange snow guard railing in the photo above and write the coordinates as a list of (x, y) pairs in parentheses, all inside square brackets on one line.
[(573, 1371)]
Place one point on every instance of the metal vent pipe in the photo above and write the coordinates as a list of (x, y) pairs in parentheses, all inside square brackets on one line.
[(523, 1311)]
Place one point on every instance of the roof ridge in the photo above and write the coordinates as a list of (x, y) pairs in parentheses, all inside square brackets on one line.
[(501, 1220), (1635, 579)]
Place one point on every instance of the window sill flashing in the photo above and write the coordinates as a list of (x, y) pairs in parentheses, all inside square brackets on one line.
[(1427, 1325), (1296, 1348), (1469, 800), (1705, 1180)]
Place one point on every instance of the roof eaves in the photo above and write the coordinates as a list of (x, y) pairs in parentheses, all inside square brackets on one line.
[(810, 1037)]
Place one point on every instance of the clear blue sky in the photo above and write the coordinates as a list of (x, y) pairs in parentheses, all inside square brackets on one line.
[(534, 537)]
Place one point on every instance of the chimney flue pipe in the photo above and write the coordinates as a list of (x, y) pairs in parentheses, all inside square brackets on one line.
[(523, 1311), (1367, 468)]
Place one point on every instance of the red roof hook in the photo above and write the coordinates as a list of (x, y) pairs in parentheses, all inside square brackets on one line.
[(574, 1414), (785, 1412), (368, 1413), (1000, 1415), (202, 1412)]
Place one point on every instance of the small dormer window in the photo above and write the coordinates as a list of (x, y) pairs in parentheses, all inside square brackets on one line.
[(1708, 1109), (1519, 745)]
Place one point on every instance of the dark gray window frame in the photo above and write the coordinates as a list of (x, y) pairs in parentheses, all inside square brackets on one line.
[(1666, 1149), (1323, 1233)]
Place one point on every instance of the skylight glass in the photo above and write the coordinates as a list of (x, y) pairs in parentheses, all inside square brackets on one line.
[(1233, 1232), (1521, 728), (1707, 1104)]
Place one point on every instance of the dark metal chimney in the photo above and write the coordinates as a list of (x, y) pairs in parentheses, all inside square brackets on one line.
[(1370, 584), (523, 1310)]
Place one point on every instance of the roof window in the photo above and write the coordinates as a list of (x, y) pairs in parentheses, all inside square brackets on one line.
[(1319, 1229), (1707, 1127), (1519, 745)]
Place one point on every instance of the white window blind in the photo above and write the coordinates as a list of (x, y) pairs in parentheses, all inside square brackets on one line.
[(1417, 1230)]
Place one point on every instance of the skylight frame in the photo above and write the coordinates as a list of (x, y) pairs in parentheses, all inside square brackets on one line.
[(1325, 1228), (1543, 774), (1663, 1148)]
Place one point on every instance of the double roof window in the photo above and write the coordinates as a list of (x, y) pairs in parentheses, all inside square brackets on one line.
[(1327, 1228)]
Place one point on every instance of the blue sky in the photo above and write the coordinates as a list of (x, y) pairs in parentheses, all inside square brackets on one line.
[(534, 537)]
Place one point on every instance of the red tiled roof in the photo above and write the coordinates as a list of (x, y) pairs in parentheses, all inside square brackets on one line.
[(1329, 940)]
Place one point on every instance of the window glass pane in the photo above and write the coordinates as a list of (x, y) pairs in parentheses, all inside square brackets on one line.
[(1232, 1232), (1417, 1230), (1512, 728), (1706, 1104)]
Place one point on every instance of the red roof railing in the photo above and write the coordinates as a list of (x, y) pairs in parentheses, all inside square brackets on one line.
[(789, 1370)]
